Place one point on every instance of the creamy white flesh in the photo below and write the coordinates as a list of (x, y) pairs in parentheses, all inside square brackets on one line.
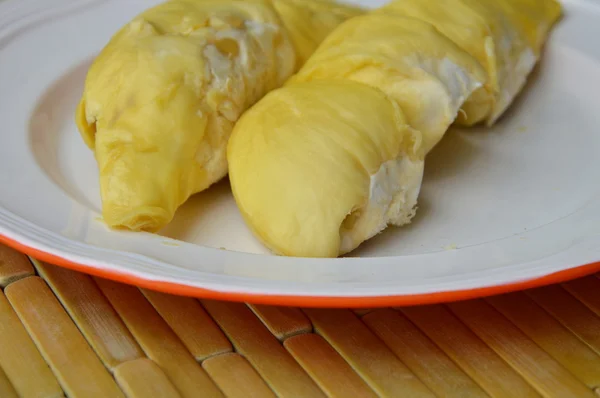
[(514, 81), (393, 196)]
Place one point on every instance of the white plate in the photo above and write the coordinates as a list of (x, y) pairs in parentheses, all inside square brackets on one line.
[(501, 209)]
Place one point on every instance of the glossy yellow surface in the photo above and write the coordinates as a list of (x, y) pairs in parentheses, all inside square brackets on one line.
[(162, 97), (301, 160), (421, 70), (505, 36), (333, 158)]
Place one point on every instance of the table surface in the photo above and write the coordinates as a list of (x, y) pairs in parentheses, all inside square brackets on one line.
[(66, 333)]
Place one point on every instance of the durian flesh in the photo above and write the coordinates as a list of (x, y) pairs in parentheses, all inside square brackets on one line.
[(334, 157), (505, 36), (423, 71), (161, 99), (309, 153)]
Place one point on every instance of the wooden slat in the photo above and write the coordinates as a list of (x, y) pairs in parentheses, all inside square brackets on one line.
[(363, 311), (79, 371), (6, 388), (142, 378), (541, 370), (21, 360), (551, 336), (587, 291), (331, 372), (282, 322), (252, 339), (13, 266), (191, 323), (236, 377), (579, 319), (158, 341), (369, 357), (93, 314), (421, 355), (479, 361)]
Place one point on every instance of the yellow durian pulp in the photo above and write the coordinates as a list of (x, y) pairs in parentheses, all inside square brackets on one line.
[(301, 161), (337, 155), (428, 75), (505, 36), (161, 99), (309, 22)]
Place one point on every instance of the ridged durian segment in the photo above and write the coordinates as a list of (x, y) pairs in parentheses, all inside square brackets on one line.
[(505, 36), (427, 74), (161, 99), (308, 22), (302, 163)]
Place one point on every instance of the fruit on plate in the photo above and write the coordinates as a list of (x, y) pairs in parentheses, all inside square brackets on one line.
[(318, 167), (335, 156), (420, 69), (162, 97), (506, 37)]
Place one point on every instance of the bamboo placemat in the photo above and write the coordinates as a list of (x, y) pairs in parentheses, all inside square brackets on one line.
[(63, 333)]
